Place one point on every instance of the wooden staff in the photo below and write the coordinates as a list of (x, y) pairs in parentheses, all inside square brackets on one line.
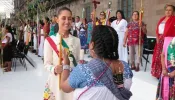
[(82, 16), (160, 89), (108, 12), (107, 17), (95, 7), (59, 60), (140, 25), (1, 46)]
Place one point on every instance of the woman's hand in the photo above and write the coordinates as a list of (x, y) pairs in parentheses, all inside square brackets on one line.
[(124, 45), (58, 69), (172, 74), (164, 72), (144, 29), (66, 58)]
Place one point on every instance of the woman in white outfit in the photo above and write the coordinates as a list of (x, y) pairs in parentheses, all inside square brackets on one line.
[(41, 45), (120, 26), (51, 57), (35, 37)]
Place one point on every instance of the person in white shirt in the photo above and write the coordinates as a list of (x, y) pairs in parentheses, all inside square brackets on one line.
[(41, 45), (77, 24), (27, 33), (120, 27), (7, 49)]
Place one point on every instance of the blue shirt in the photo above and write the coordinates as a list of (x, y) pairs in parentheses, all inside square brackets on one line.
[(81, 76)]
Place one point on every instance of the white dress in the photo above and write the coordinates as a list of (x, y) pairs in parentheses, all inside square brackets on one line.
[(120, 27), (34, 39), (27, 33), (41, 46), (51, 60), (78, 26)]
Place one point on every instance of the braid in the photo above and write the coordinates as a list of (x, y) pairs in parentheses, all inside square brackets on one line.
[(105, 42)]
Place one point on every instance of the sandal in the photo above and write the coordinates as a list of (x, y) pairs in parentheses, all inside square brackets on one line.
[(133, 67), (7, 70), (5, 66), (137, 68)]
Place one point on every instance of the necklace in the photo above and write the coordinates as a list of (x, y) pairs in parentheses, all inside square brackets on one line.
[(118, 22)]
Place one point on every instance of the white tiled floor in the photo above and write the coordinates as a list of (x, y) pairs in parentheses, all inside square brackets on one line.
[(29, 85)]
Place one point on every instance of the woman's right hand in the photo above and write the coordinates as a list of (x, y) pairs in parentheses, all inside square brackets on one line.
[(58, 69), (124, 45), (164, 72), (66, 58)]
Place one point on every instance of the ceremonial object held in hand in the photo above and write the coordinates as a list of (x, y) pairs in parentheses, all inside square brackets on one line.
[(140, 25), (1, 56), (83, 11), (108, 12), (60, 58), (160, 91), (95, 7)]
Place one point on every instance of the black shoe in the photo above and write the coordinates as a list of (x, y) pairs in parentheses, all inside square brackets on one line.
[(33, 51)]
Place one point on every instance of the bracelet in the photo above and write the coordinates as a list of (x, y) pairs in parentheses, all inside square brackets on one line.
[(168, 74), (66, 67)]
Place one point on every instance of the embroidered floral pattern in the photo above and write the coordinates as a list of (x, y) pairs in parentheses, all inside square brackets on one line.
[(89, 75), (133, 33), (48, 95), (156, 63)]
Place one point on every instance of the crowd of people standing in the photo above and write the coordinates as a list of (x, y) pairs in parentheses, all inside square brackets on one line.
[(108, 41)]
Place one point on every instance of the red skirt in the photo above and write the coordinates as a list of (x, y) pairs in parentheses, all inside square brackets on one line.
[(156, 68)]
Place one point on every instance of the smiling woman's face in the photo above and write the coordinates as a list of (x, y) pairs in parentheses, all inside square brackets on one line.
[(64, 20), (169, 11)]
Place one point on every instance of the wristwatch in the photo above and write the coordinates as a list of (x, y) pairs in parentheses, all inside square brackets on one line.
[(67, 67)]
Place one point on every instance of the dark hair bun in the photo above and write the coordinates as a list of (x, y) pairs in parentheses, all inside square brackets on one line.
[(105, 40)]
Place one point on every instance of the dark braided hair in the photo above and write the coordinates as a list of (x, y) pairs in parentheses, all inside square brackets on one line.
[(105, 40)]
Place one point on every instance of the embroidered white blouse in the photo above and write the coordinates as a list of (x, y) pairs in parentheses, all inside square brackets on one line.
[(161, 27)]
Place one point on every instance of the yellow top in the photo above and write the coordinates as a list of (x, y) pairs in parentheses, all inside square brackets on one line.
[(102, 21)]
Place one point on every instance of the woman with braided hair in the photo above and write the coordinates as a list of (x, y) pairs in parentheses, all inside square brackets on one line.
[(103, 78)]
